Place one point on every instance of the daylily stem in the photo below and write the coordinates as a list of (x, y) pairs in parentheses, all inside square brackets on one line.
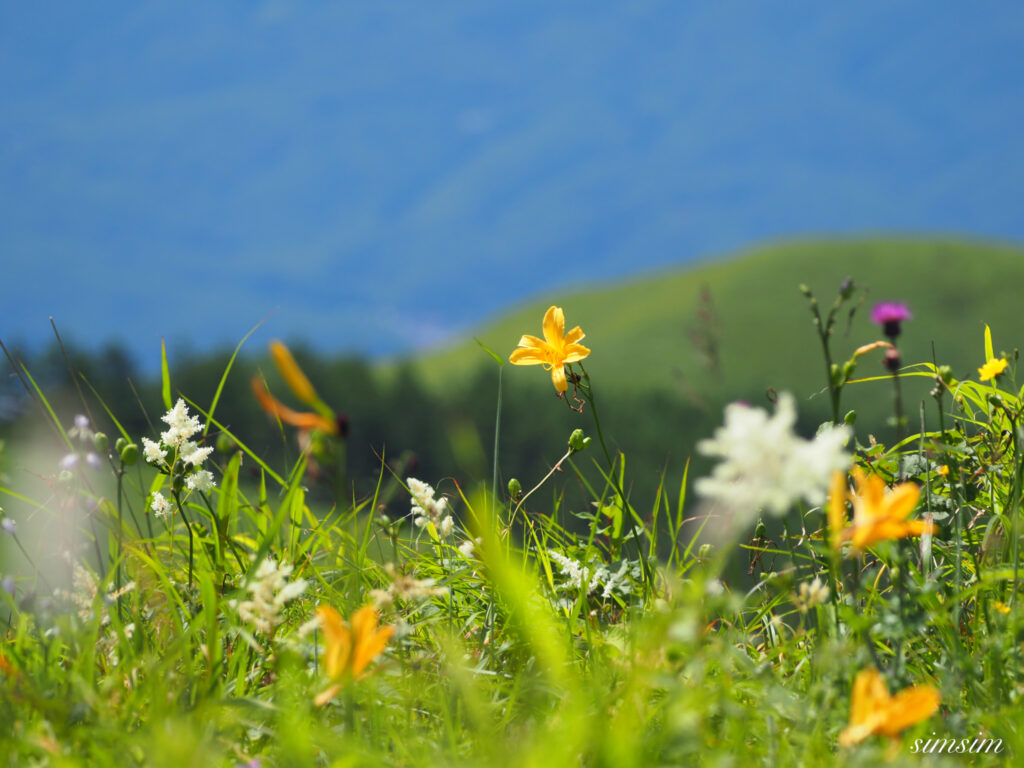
[(588, 393)]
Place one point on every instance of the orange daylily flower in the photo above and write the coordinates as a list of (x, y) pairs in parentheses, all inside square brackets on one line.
[(873, 710), (554, 351), (349, 646), (880, 515), (279, 410)]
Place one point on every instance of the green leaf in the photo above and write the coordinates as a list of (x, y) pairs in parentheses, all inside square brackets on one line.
[(224, 376), (491, 352), (165, 376)]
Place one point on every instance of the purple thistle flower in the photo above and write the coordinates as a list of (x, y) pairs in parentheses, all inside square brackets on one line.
[(889, 315)]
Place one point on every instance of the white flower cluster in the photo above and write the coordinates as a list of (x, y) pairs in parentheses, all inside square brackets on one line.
[(405, 587), (83, 592), (765, 465), (579, 576), (270, 590), (160, 505), (427, 509), (810, 594), (468, 547), (181, 426)]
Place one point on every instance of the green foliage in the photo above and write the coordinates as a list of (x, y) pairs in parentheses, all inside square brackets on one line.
[(600, 613)]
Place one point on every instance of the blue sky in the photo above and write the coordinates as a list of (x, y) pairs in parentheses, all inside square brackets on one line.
[(379, 176)]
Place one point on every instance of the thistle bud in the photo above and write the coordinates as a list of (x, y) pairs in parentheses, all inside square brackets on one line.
[(892, 360), (129, 454)]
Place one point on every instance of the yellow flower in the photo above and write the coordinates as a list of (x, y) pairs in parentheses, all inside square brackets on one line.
[(873, 710), (554, 351), (943, 470), (349, 646), (992, 368), (1001, 607), (879, 515)]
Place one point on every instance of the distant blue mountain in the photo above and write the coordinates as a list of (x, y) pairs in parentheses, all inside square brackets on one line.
[(384, 174)]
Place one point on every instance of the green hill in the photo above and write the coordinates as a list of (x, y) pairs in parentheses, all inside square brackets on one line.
[(641, 330)]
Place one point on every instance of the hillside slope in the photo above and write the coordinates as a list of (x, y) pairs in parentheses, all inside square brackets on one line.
[(640, 331)]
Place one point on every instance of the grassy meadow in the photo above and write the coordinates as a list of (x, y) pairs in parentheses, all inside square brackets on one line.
[(759, 514)]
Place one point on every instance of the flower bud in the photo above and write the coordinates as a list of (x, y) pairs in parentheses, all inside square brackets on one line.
[(892, 360), (760, 531), (120, 444), (705, 551), (515, 488), (850, 418), (224, 443), (100, 442), (578, 441), (129, 454), (846, 288), (946, 374)]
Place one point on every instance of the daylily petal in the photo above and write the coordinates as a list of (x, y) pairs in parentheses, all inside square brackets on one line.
[(280, 411), (910, 707), (837, 508), (327, 694), (901, 502), (558, 378), (293, 375), (870, 490), (337, 641), (532, 341), (554, 326), (523, 356), (575, 352), (574, 335), (369, 641), (371, 649)]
